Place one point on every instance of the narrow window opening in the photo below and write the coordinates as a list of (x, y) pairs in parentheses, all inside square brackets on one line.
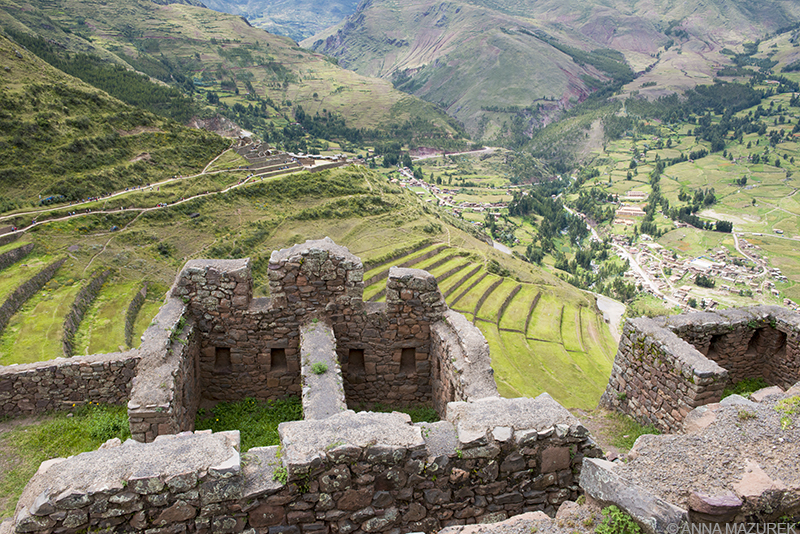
[(408, 361), (222, 360), (355, 361), (277, 360)]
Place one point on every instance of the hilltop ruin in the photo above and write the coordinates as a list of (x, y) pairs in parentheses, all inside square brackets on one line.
[(487, 460)]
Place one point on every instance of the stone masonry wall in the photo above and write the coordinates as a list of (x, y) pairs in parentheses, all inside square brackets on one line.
[(666, 367), (166, 391), (82, 301), (759, 341), (250, 347), (59, 384), (657, 378), (133, 311), (462, 364), (349, 473), (13, 256)]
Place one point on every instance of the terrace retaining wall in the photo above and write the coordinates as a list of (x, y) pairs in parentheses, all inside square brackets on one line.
[(83, 300), (21, 295), (13, 256)]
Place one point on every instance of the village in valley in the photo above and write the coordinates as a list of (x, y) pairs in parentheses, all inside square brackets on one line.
[(726, 277)]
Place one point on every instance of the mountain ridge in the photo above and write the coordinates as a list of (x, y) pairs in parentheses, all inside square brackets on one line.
[(381, 39)]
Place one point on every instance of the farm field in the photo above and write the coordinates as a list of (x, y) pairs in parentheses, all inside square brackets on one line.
[(541, 338)]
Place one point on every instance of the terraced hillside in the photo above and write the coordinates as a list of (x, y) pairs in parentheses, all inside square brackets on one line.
[(35, 332), (542, 338)]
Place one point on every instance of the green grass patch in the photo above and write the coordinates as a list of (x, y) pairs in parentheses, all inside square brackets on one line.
[(19, 273), (228, 160), (34, 333), (545, 323), (516, 314), (745, 387), (571, 330), (257, 421), (491, 306), (103, 327), (624, 430), (54, 436), (453, 281), (470, 300)]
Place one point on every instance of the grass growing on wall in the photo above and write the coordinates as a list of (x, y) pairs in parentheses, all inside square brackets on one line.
[(257, 421), (25, 447)]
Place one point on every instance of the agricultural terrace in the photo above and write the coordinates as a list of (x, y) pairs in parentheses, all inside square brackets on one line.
[(542, 338)]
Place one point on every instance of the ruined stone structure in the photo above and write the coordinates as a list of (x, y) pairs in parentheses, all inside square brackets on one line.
[(345, 472), (337, 470), (666, 367)]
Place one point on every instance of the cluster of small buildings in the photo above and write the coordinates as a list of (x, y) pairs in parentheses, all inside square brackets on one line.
[(665, 269), (446, 196)]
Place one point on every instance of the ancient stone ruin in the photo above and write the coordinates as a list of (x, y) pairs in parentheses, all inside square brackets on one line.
[(341, 471), (666, 367), (335, 471)]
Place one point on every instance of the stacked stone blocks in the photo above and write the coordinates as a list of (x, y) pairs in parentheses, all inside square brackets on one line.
[(665, 368)]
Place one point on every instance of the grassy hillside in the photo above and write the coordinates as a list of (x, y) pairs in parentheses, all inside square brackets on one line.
[(258, 78), (478, 63), (61, 137)]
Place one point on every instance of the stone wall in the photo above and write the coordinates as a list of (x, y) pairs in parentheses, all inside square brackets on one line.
[(657, 378), (462, 364), (348, 473), (666, 367), (9, 238), (13, 256), (760, 341), (250, 347), (83, 300), (21, 295), (166, 391), (133, 312), (63, 383)]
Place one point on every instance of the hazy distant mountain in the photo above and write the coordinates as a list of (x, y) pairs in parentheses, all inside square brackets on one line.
[(478, 58), (297, 19)]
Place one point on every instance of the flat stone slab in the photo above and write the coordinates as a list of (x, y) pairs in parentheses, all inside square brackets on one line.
[(440, 438), (540, 414), (109, 469), (303, 441), (259, 465), (323, 393), (601, 481)]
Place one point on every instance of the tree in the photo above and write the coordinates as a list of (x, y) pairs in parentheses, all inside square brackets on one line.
[(692, 302)]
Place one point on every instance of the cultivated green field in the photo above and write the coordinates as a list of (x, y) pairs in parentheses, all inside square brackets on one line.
[(567, 350)]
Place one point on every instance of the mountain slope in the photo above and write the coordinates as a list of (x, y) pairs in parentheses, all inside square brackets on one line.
[(218, 53), (297, 19), (60, 136), (473, 54)]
